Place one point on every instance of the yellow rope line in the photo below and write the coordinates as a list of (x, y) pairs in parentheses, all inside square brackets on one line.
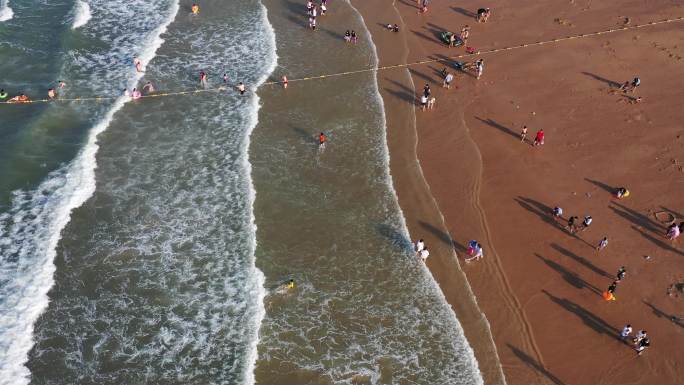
[(382, 68)]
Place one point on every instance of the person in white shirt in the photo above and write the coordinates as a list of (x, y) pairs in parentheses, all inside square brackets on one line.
[(626, 331), (423, 102), (420, 245), (424, 254), (479, 253)]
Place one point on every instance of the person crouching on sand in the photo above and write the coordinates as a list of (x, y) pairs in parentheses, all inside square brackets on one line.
[(478, 253)]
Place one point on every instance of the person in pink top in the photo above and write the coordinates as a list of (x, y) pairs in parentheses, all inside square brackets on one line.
[(539, 138)]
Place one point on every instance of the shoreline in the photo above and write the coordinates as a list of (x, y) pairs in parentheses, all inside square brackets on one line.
[(491, 189), (423, 212)]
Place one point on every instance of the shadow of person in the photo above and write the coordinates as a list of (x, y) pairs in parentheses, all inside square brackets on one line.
[(569, 276), (532, 363)]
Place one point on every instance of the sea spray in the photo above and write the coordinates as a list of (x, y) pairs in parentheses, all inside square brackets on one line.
[(5, 11), (81, 14), (31, 230)]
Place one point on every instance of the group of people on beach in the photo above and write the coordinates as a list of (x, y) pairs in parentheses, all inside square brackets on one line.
[(313, 10)]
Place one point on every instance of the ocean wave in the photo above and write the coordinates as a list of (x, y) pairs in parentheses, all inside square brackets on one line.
[(30, 232), (81, 14), (5, 11)]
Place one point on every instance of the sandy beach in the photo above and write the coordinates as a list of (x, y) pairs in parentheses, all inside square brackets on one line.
[(462, 173)]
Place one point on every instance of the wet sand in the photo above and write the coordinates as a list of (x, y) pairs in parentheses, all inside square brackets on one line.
[(538, 286)]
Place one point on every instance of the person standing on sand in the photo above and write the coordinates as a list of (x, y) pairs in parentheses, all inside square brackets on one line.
[(586, 222), (419, 246), (602, 244), (642, 345), (431, 103), (426, 90), (571, 224), (284, 81), (641, 334), (478, 251), (424, 254), (447, 80), (479, 68), (612, 287), (424, 6), (539, 138), (557, 212), (621, 273), (523, 134), (626, 331), (672, 232), (322, 139), (423, 102), (465, 33)]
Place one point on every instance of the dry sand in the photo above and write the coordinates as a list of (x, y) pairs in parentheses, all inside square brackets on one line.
[(539, 286)]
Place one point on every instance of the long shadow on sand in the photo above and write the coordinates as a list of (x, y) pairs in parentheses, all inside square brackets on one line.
[(638, 219), (590, 319), (601, 185), (395, 236), (569, 276), (443, 236), (423, 76), (661, 314), (532, 363), (582, 261), (464, 12), (499, 127), (403, 92), (610, 83), (541, 210), (660, 243), (304, 135)]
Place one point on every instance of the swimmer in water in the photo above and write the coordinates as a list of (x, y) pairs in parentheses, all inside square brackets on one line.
[(203, 79), (51, 93), (3, 95), (149, 88), (241, 88), (284, 81), (61, 84), (136, 94), (194, 9), (225, 78), (138, 64)]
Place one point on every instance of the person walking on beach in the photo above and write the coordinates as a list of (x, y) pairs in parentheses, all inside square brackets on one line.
[(447, 80), (465, 33), (424, 6), (626, 331), (431, 103), (354, 37), (621, 273), (557, 212), (609, 294), (284, 81), (423, 102), (322, 139), (424, 254), (602, 244), (539, 138), (641, 334), (571, 227), (419, 246), (479, 67), (586, 222), (642, 345), (523, 134), (426, 90), (312, 23), (479, 253)]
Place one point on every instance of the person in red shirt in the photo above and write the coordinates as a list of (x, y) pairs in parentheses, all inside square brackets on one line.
[(539, 139), (322, 139)]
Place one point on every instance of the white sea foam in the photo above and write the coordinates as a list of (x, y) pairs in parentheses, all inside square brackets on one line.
[(458, 330), (261, 312), (81, 14), (31, 230), (5, 11)]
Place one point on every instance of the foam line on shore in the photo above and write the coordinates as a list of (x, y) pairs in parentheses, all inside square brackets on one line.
[(252, 353)]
